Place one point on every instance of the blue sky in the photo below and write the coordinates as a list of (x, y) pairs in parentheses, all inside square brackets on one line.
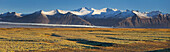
[(30, 6)]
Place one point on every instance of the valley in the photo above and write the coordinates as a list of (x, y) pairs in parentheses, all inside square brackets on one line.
[(84, 39)]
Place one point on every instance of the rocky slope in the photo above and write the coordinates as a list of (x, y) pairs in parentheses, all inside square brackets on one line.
[(9, 16), (37, 17), (155, 22), (67, 18)]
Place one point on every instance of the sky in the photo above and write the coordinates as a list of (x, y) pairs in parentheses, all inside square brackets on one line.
[(30, 6)]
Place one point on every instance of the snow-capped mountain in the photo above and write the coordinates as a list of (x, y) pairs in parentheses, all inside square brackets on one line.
[(103, 13), (153, 13), (10, 14), (91, 16)]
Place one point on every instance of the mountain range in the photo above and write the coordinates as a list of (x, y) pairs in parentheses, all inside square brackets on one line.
[(90, 16)]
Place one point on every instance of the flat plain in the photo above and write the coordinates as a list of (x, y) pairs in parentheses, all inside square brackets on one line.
[(84, 39)]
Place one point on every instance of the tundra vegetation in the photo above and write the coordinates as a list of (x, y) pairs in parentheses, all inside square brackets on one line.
[(83, 39)]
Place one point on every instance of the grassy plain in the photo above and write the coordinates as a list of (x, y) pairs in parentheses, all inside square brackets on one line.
[(83, 39)]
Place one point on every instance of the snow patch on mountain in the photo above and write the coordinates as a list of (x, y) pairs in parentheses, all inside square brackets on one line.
[(11, 14), (49, 12), (153, 13), (80, 13), (140, 14), (124, 14)]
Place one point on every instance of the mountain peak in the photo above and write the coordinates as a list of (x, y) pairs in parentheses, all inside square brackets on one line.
[(83, 8), (154, 13), (68, 13), (140, 14), (109, 9), (11, 14), (39, 12), (52, 12), (127, 10)]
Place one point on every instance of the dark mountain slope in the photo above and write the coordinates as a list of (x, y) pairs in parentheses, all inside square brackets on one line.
[(36, 17), (67, 18), (9, 17), (137, 21)]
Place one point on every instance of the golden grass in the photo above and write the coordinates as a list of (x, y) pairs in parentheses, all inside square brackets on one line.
[(83, 39)]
